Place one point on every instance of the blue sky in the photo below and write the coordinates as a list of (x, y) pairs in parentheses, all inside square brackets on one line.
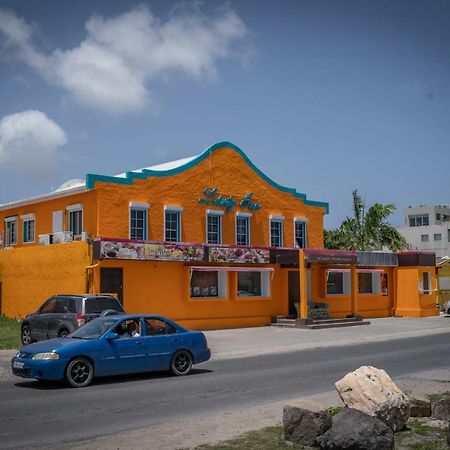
[(323, 96)]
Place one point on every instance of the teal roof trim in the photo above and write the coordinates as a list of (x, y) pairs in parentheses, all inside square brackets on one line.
[(91, 179)]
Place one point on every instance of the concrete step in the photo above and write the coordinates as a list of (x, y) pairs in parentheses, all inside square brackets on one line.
[(284, 324), (290, 322), (319, 326)]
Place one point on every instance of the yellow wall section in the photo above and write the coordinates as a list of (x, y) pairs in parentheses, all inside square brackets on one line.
[(230, 174), (30, 275), (369, 305), (163, 288), (410, 303)]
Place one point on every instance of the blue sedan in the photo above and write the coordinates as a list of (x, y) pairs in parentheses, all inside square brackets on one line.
[(113, 345)]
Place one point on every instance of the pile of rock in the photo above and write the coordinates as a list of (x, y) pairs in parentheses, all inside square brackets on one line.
[(375, 408)]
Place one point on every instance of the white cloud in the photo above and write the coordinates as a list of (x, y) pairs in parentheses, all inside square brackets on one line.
[(30, 143), (112, 68)]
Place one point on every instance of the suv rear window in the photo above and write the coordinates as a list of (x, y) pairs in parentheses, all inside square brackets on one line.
[(97, 305)]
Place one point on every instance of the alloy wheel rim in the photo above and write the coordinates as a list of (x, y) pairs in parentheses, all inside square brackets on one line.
[(181, 363), (26, 337), (79, 372)]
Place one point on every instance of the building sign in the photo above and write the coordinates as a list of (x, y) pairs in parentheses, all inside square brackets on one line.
[(151, 251), (212, 198), (238, 255), (165, 251), (325, 256)]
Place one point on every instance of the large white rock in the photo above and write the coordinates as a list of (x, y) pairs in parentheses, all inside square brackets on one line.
[(372, 391)]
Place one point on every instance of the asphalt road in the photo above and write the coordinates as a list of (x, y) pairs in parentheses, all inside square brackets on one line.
[(36, 414)]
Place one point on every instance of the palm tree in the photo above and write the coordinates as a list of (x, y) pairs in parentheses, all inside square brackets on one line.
[(366, 230)]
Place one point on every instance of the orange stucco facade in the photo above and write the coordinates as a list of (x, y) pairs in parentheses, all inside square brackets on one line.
[(167, 287)]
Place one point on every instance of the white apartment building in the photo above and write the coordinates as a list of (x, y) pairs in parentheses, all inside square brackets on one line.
[(427, 228)]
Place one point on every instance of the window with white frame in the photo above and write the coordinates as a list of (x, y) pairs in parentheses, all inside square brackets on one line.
[(172, 224), (242, 230), (138, 222), (437, 236), (28, 228), (11, 231), (425, 283), (214, 227), (338, 282), (75, 219), (300, 233), (276, 231), (424, 237), (253, 284), (211, 284), (369, 282)]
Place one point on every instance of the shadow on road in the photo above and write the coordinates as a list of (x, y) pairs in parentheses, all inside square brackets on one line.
[(116, 379)]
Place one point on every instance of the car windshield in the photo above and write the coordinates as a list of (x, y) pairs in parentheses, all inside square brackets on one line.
[(93, 329)]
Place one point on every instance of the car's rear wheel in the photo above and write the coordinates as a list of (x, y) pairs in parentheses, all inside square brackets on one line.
[(79, 372), (26, 335), (63, 333), (181, 363)]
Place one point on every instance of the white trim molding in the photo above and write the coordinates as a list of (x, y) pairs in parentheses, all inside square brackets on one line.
[(214, 212), (276, 218), (11, 218), (27, 217), (243, 214), (77, 207), (173, 208), (138, 205)]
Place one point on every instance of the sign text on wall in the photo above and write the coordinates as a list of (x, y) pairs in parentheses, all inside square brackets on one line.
[(212, 198)]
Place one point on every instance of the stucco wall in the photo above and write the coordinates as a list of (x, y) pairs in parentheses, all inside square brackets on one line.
[(226, 170), (410, 302), (368, 305), (164, 288), (43, 212), (29, 275)]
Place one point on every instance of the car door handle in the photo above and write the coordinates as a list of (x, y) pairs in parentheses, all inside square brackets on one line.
[(139, 343)]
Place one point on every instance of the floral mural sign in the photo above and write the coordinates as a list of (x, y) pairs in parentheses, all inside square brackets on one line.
[(238, 255), (151, 251)]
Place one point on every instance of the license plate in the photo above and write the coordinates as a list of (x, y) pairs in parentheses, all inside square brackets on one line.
[(18, 365)]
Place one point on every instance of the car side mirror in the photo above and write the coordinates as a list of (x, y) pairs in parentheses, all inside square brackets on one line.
[(111, 336)]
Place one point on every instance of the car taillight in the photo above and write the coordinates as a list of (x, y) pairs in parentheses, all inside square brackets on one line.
[(81, 319)]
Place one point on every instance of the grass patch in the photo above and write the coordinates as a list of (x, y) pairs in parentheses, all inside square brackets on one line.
[(333, 410), (270, 438), (436, 397), (9, 333), (420, 436)]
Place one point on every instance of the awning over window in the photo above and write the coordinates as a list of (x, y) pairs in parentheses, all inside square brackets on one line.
[(231, 269)]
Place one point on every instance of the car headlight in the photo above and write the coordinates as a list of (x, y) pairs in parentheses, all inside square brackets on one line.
[(46, 355)]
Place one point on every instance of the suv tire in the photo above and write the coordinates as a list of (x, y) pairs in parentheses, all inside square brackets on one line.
[(25, 335), (63, 333)]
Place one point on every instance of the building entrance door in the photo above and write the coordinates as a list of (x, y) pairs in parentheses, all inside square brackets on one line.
[(111, 281), (294, 292)]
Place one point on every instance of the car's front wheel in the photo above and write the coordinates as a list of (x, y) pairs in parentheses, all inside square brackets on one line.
[(79, 372), (181, 363), (26, 335)]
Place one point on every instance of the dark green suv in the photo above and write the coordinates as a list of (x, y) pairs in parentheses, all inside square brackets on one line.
[(62, 314)]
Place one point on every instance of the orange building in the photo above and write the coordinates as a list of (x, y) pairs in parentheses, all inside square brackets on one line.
[(209, 241)]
